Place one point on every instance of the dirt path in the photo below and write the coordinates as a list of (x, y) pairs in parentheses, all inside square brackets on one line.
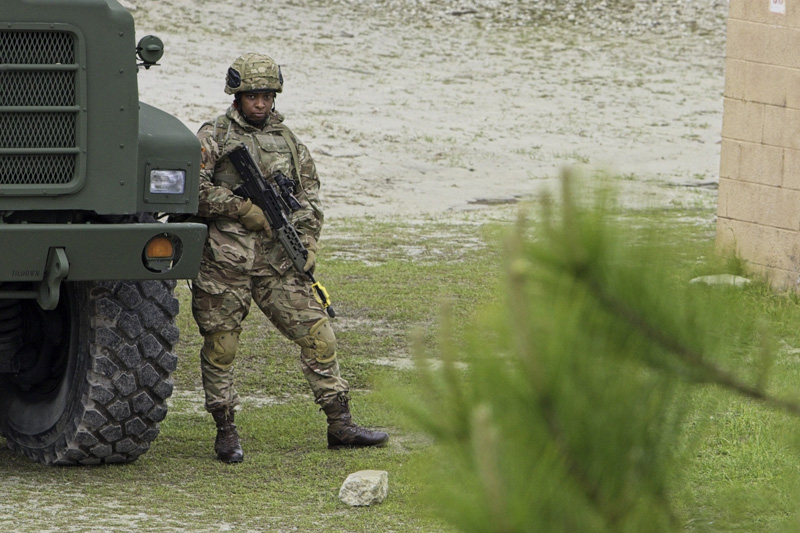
[(436, 116)]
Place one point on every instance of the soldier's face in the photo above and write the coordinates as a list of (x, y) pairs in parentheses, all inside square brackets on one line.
[(256, 106)]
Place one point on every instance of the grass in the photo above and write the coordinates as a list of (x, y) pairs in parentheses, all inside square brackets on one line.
[(744, 472), (744, 476), (387, 280)]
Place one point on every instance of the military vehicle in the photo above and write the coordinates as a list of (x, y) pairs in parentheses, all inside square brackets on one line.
[(87, 263)]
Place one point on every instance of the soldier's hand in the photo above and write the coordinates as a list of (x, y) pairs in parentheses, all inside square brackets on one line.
[(252, 217), (311, 260)]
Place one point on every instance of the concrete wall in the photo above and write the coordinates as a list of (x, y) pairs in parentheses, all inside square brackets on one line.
[(759, 186)]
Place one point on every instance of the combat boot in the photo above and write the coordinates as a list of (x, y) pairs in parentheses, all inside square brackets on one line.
[(343, 432), (227, 445)]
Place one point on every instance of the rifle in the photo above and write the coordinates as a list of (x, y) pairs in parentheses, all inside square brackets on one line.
[(262, 193)]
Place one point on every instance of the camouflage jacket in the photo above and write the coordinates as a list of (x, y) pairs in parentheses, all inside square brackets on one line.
[(230, 245)]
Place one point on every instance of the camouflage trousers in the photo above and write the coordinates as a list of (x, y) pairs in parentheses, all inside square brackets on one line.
[(221, 300)]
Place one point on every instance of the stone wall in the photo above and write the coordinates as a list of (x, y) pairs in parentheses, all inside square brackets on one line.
[(759, 186)]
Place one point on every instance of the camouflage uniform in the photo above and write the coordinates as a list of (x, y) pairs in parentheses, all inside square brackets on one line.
[(243, 263), (240, 265)]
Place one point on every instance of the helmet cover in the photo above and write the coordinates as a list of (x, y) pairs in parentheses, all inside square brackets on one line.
[(253, 73)]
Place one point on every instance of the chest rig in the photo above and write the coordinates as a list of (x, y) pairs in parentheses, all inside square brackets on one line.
[(273, 148)]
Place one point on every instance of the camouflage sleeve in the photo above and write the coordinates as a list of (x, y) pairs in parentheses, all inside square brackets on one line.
[(308, 219), (215, 201)]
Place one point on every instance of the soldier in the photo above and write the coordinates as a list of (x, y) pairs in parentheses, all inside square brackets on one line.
[(242, 261)]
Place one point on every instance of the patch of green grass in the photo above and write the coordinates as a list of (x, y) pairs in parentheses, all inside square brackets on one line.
[(742, 471), (386, 279), (389, 281)]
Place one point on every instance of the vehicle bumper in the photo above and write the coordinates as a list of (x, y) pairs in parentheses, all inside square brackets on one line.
[(96, 251)]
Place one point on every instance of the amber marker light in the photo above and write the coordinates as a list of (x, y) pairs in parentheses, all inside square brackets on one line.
[(159, 247), (159, 254)]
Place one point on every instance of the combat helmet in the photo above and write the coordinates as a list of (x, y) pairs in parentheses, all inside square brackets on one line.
[(253, 73)]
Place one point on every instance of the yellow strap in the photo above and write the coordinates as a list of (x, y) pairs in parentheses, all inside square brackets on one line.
[(319, 292)]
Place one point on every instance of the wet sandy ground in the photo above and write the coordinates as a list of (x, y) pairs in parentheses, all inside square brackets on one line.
[(440, 114)]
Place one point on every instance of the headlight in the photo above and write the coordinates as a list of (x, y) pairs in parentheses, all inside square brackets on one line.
[(167, 181)]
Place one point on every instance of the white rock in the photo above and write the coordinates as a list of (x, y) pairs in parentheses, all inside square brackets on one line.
[(365, 488)]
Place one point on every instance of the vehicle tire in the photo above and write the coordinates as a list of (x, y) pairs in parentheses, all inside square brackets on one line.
[(97, 374)]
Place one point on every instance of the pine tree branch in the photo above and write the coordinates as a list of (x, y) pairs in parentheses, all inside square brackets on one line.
[(710, 373), (580, 476)]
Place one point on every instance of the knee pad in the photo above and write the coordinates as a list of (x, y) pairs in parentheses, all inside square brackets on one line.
[(219, 348), (321, 340)]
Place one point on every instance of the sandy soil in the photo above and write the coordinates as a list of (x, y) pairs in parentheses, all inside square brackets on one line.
[(427, 116)]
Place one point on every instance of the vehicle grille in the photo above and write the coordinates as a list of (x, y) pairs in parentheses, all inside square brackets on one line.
[(39, 108)]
